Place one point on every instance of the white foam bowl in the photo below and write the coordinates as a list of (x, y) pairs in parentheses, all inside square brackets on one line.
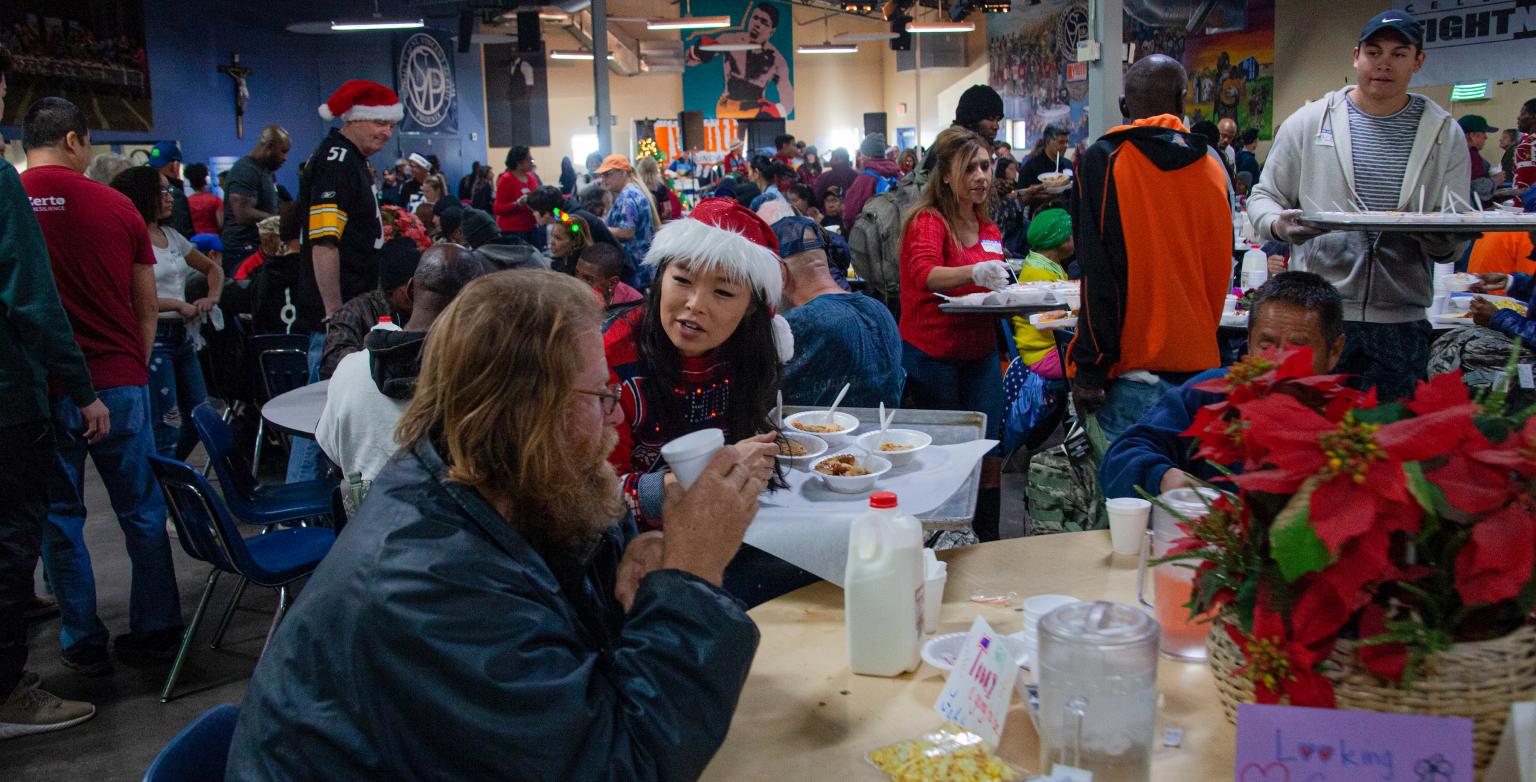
[(845, 423), (912, 439), (814, 448), (855, 484), (941, 651)]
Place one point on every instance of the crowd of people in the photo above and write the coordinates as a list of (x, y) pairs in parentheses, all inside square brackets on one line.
[(545, 342)]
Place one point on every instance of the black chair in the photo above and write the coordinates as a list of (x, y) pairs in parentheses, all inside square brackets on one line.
[(282, 364)]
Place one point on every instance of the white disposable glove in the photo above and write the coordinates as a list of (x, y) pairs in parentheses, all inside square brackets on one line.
[(991, 275), (1288, 228)]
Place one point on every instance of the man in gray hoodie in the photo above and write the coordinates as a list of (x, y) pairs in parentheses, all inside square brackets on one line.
[(1371, 147)]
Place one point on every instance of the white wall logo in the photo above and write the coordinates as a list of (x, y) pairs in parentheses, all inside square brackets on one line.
[(426, 81)]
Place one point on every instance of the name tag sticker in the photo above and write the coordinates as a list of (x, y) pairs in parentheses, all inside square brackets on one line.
[(1526, 378), (992, 246)]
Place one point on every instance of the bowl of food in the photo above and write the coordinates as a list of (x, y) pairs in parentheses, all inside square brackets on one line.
[(834, 430), (851, 474), (1056, 181), (898, 446), (798, 449)]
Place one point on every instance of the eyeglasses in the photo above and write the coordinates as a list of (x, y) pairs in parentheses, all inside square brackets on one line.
[(169, 190), (611, 397)]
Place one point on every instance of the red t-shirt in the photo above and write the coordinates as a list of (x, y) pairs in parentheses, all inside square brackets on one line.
[(927, 244), (205, 208), (95, 237), (510, 215)]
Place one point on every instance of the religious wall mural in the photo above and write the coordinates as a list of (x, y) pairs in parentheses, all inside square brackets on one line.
[(1228, 46), (91, 52)]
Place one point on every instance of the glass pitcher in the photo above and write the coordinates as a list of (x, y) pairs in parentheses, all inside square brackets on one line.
[(1183, 636), (1098, 690)]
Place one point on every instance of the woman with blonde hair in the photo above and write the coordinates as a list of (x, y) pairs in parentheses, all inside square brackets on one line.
[(950, 246), (632, 217), (434, 189), (667, 205)]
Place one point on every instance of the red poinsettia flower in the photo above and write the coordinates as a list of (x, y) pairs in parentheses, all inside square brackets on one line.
[(1220, 428), (1387, 660), (1360, 463), (1279, 666), (1497, 561)]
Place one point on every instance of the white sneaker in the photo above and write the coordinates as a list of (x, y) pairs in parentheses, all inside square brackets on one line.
[(32, 710)]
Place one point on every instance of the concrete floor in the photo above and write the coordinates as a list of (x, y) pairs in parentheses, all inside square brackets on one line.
[(131, 724)]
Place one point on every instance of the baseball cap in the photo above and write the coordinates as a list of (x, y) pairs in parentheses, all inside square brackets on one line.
[(1476, 123), (164, 154), (1394, 19), (206, 243), (790, 232), (615, 162)]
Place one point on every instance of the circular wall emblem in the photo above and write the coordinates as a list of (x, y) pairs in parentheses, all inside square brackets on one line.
[(1072, 28), (426, 81)]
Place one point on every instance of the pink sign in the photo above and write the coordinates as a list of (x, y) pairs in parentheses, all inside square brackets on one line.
[(1292, 744)]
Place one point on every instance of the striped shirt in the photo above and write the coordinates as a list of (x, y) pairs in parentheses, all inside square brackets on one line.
[(1380, 149)]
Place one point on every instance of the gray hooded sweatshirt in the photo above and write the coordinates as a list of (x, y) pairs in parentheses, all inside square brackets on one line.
[(1390, 280)]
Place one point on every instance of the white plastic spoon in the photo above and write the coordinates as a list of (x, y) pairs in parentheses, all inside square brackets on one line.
[(827, 420)]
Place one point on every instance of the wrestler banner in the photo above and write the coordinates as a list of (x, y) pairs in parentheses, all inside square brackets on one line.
[(1474, 40), (745, 71)]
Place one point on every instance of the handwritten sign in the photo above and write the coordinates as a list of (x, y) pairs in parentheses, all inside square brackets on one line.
[(980, 686), (1291, 744)]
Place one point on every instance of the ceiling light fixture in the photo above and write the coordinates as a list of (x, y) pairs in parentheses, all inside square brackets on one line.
[(826, 46), (861, 37), (376, 24), (688, 22), (578, 54), (940, 27)]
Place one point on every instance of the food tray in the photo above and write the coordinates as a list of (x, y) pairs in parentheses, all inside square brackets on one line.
[(946, 427), (1052, 325), (1444, 222)]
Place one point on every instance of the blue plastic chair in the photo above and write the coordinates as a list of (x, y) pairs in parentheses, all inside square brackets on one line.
[(248, 500), (200, 751), (207, 533)]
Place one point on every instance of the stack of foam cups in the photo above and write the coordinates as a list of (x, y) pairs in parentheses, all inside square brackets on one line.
[(1035, 608)]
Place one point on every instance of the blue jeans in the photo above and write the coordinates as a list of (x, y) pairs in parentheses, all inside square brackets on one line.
[(303, 452), (1125, 402), (122, 460), (937, 384), (175, 387)]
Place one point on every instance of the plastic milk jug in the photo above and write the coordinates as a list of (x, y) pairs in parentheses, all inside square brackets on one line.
[(1255, 267), (883, 589), (386, 323)]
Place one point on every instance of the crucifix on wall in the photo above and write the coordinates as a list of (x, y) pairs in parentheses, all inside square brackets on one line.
[(238, 72)]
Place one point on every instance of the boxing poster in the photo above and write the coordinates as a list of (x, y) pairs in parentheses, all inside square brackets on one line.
[(754, 80), (90, 52), (1228, 47), (516, 97)]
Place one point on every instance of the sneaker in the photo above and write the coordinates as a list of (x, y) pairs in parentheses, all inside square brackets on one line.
[(39, 608), (88, 659), (152, 648), (32, 710)]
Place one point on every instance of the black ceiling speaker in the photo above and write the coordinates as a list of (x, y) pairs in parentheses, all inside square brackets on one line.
[(529, 36), (466, 29)]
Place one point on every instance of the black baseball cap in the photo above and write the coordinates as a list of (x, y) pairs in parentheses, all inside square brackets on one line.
[(1394, 19)]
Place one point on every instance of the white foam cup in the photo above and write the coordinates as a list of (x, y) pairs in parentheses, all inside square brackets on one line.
[(1127, 523), (690, 454)]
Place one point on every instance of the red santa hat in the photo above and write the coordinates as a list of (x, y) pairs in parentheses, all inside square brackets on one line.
[(359, 99), (722, 235)]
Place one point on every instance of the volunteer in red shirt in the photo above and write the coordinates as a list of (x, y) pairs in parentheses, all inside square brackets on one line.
[(949, 246), (103, 264), (513, 216)]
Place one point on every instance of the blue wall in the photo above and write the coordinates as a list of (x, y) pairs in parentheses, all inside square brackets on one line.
[(292, 75)]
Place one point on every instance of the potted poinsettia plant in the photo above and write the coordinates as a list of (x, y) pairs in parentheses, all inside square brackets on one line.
[(399, 222), (1361, 544)]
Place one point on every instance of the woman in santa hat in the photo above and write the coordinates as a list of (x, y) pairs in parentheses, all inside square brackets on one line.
[(705, 350)]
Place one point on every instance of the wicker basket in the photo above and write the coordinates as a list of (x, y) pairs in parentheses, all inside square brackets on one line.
[(1478, 681)]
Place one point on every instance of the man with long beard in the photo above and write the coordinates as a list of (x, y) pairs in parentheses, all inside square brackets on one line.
[(484, 616)]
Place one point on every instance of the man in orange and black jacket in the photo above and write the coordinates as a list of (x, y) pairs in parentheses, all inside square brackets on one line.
[(1154, 242)]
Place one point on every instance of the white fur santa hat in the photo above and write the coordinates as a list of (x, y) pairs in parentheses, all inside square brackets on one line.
[(360, 99), (721, 234)]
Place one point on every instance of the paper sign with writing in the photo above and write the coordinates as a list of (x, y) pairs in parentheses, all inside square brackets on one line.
[(1292, 744), (980, 686)]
